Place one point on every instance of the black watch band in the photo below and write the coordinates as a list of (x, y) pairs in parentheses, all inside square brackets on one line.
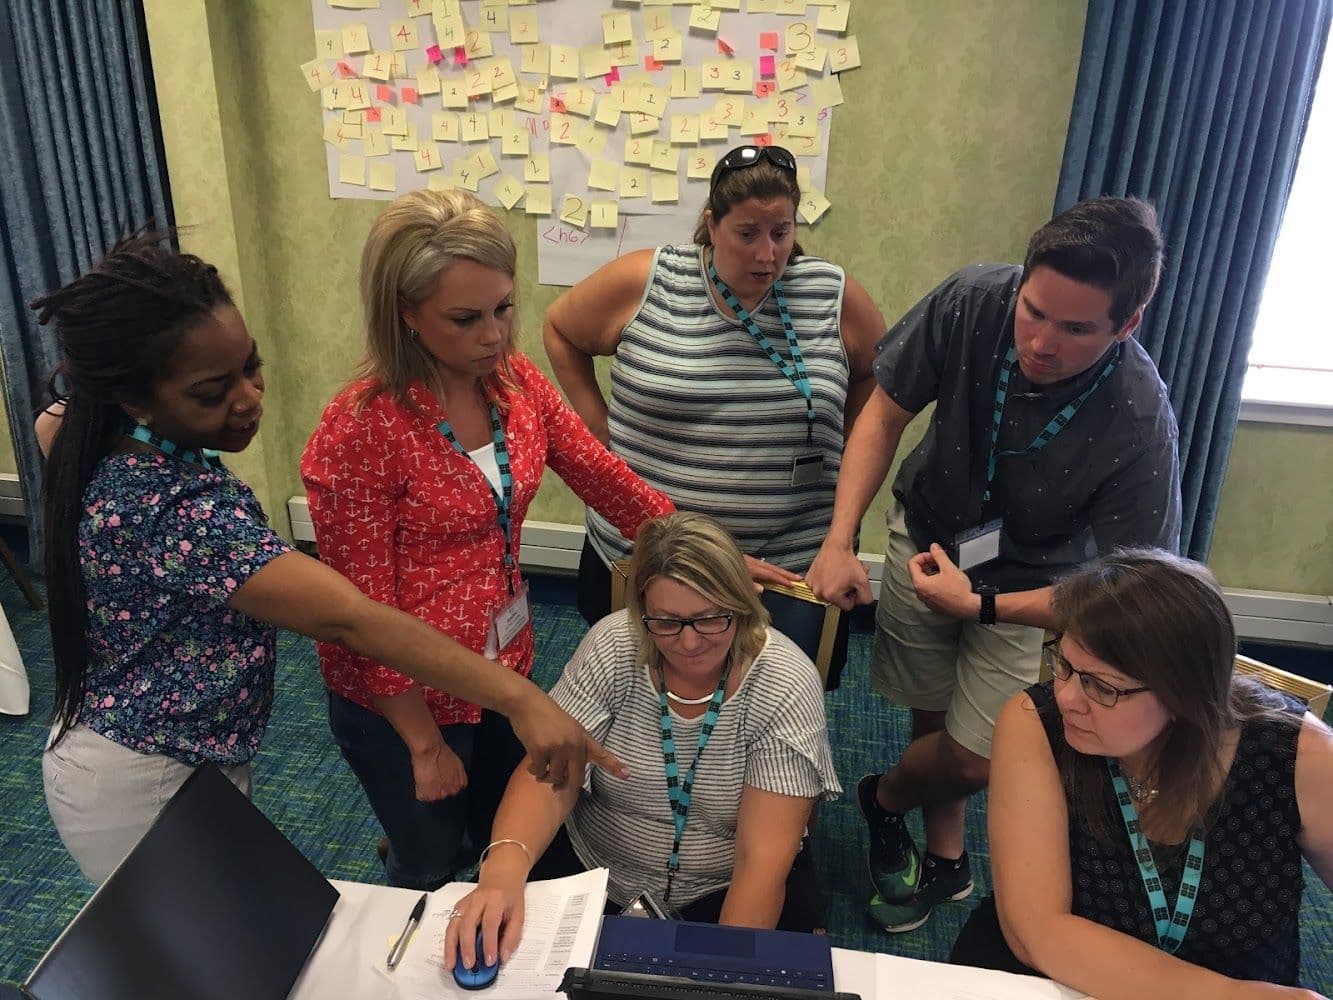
[(987, 614)]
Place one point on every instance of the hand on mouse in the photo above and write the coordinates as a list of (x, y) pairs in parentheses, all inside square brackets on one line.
[(498, 910)]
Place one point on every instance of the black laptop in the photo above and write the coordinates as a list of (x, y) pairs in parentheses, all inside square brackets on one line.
[(213, 902)]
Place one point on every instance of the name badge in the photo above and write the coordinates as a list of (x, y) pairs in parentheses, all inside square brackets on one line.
[(978, 545), (508, 619), (807, 467)]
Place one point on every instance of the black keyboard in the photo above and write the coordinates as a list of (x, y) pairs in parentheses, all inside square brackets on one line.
[(594, 984), (701, 970)]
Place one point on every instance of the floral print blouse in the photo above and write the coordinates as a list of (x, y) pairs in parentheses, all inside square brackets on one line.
[(171, 668)]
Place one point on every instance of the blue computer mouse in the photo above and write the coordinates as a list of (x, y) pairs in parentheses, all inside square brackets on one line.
[(480, 977)]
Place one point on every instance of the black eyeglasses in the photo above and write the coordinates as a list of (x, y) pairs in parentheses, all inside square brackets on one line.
[(1093, 686), (704, 624), (747, 156)]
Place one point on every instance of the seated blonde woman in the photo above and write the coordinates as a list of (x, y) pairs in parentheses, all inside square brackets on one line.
[(1149, 808), (714, 713)]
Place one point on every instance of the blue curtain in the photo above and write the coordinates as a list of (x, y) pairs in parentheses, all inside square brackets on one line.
[(83, 167), (1200, 107)]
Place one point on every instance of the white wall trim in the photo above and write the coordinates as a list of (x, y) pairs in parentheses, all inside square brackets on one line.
[(11, 496), (1268, 616)]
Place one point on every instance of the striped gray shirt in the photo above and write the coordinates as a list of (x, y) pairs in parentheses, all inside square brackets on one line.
[(701, 413), (770, 734)]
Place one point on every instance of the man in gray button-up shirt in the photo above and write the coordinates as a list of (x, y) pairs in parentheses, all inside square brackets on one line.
[(1052, 441)]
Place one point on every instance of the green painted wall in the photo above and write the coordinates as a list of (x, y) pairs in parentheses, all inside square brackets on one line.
[(946, 153)]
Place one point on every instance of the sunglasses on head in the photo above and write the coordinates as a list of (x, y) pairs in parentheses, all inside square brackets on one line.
[(747, 156)]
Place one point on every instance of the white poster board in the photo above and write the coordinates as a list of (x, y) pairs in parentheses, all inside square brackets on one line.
[(590, 114)]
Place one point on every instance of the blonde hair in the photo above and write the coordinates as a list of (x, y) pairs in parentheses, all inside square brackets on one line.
[(696, 551), (411, 242)]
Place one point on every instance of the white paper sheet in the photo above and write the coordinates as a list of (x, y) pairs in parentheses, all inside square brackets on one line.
[(908, 977)]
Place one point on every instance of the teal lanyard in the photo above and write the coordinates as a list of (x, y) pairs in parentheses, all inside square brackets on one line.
[(679, 791), (1171, 924), (504, 498), (795, 369), (206, 457), (1048, 432)]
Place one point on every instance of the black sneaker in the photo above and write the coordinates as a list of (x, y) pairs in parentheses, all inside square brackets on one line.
[(942, 880), (895, 863)]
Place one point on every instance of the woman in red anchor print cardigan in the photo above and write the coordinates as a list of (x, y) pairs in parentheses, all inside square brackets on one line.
[(408, 475)]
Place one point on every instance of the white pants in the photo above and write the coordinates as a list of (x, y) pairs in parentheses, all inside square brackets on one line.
[(103, 797)]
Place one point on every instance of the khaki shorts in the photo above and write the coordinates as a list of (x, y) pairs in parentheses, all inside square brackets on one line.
[(935, 663)]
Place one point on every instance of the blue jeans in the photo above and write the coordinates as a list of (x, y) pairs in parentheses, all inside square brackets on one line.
[(428, 841)]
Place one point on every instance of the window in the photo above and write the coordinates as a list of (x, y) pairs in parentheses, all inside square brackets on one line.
[(1290, 377)]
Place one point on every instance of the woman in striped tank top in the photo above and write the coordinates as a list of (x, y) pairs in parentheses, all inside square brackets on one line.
[(739, 366)]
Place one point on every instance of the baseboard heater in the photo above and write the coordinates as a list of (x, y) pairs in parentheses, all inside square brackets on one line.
[(1261, 616)]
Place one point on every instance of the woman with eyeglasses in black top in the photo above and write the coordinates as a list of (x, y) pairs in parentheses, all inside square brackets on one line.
[(739, 364)]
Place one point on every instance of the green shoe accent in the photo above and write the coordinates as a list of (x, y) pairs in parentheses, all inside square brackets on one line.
[(894, 861), (899, 917)]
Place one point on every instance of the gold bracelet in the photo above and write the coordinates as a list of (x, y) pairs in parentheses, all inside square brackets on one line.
[(507, 840)]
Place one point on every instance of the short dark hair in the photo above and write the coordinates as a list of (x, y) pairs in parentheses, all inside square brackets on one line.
[(762, 181), (1113, 243)]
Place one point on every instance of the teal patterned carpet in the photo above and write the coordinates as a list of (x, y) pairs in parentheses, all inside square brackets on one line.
[(303, 786)]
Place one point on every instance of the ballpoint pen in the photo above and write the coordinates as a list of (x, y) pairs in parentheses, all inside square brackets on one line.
[(400, 946)]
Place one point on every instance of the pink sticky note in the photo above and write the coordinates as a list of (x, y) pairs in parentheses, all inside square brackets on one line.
[(345, 71), (613, 76), (652, 65), (765, 88), (768, 40), (372, 114), (434, 54), (410, 95), (460, 56), (558, 104), (768, 65), (384, 93), (724, 47), (764, 140)]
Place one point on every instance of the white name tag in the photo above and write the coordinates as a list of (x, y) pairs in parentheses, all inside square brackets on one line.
[(509, 619), (807, 467), (979, 545)]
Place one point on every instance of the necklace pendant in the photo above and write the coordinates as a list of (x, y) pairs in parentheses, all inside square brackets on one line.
[(689, 701)]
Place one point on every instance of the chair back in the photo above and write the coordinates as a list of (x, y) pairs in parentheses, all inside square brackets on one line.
[(1315, 694)]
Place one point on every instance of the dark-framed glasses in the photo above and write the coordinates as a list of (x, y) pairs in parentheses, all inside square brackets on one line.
[(747, 156), (1094, 687), (704, 624)]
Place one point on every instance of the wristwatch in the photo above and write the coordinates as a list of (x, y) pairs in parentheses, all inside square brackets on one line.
[(987, 614)]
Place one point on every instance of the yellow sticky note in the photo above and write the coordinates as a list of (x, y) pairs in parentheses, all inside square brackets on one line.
[(502, 74), (373, 142), (604, 215), (444, 126), (578, 99), (704, 17), (730, 111), (318, 73), (356, 39), (564, 62), (419, 8), (393, 121), (535, 59), (666, 188), (474, 127), (699, 166), (477, 44), (725, 4), (355, 4), (623, 54), (515, 142), (465, 176), (803, 123), (812, 59), (813, 205), (477, 78), (638, 150), (328, 44), (494, 18), (616, 27), (529, 98), (449, 31), (564, 129), (790, 8), (789, 75), (761, 6), (573, 210), (537, 167), (453, 91), (710, 127), (538, 200), (642, 124), (608, 112), (382, 177), (377, 66), (799, 145), (596, 61), (427, 157), (685, 130), (591, 141), (665, 156), (524, 28), (834, 18), (653, 100), (656, 24), (406, 142), (799, 37), (633, 182), (755, 119), (844, 55), (603, 175), (685, 82), (739, 78), (428, 79), (714, 74), (826, 93), (352, 169), (403, 35), (503, 95), (485, 163), (508, 191), (441, 182)]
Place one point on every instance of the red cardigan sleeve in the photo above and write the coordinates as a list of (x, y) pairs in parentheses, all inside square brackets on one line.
[(353, 483), (599, 478)]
